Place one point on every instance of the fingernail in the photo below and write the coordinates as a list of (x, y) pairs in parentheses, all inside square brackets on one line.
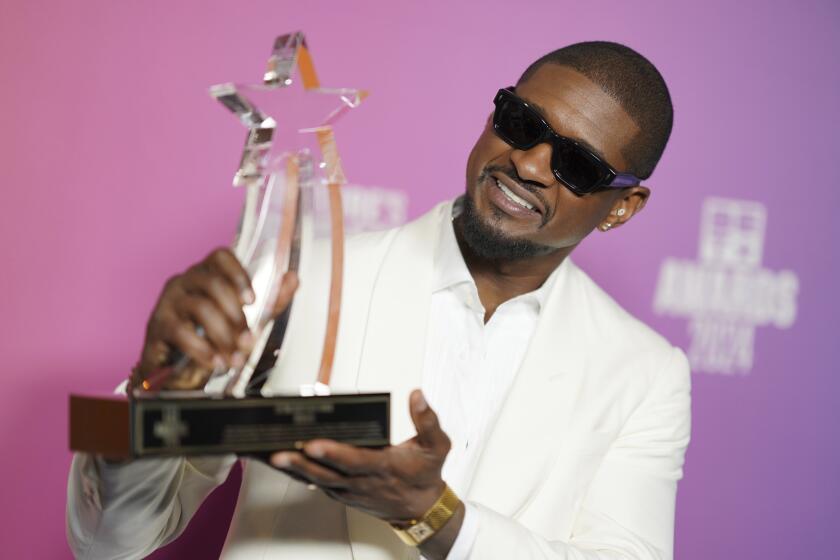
[(315, 451), (237, 360), (281, 460), (246, 340), (248, 296), (421, 402), (218, 362)]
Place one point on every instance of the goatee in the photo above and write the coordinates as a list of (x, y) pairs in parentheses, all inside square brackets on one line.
[(487, 241)]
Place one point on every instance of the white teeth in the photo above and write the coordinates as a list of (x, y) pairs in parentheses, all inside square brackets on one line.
[(510, 194)]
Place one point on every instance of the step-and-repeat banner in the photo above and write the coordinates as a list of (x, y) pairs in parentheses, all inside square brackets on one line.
[(117, 169)]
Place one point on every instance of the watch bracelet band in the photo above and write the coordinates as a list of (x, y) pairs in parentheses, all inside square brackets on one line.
[(419, 530)]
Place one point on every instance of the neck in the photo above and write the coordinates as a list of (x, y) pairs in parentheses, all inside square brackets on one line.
[(499, 280)]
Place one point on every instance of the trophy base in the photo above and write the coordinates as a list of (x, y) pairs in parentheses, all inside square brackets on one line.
[(117, 427)]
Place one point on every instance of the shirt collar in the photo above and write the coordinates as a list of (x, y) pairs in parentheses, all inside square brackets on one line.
[(451, 270)]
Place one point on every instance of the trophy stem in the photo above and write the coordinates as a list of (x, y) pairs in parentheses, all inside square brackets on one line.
[(285, 241), (336, 281)]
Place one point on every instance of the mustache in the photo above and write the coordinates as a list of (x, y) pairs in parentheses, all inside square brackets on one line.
[(510, 171)]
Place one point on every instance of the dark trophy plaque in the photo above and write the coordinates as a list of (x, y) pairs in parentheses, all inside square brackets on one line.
[(291, 175), (246, 426)]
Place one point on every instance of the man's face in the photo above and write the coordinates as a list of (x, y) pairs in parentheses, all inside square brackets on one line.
[(576, 108)]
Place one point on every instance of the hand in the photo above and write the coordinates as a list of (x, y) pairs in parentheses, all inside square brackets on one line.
[(209, 295), (395, 484)]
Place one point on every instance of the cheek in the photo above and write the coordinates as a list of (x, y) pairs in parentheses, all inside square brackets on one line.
[(489, 148), (473, 168), (573, 219)]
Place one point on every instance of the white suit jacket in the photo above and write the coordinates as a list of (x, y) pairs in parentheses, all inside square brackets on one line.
[(582, 462)]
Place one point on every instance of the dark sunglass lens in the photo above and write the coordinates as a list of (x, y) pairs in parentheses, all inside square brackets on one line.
[(576, 168), (517, 124)]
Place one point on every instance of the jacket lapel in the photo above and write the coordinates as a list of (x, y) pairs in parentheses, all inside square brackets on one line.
[(394, 345), (392, 354), (537, 415)]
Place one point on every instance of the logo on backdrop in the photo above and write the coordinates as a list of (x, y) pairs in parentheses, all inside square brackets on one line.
[(726, 293), (373, 208)]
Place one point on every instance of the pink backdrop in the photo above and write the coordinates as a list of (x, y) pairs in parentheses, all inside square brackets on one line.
[(116, 170)]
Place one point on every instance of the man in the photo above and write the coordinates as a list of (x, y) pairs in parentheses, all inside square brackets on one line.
[(561, 422)]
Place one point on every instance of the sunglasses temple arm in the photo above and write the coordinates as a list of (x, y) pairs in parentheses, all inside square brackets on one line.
[(624, 180)]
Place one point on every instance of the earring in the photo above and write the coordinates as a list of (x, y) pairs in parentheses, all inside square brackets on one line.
[(620, 212), (606, 226)]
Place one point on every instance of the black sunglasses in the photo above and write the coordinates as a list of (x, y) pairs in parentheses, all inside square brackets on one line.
[(522, 126)]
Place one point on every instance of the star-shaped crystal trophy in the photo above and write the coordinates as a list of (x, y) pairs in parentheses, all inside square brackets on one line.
[(291, 176)]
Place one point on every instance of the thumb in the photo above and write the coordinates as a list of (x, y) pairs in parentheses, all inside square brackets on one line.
[(429, 433)]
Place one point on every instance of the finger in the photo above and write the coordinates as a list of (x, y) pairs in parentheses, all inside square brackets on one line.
[(203, 311), (345, 458), (193, 376), (310, 470), (295, 476), (288, 286), (225, 262), (182, 335), (340, 495), (429, 433), (223, 294)]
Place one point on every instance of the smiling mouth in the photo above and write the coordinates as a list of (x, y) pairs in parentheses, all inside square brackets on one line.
[(517, 195), (512, 196)]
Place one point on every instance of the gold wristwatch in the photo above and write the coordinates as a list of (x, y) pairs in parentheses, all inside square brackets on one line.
[(418, 530)]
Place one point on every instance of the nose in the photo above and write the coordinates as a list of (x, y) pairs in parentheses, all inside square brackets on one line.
[(534, 164)]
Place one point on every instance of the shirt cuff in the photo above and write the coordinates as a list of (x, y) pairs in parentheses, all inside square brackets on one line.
[(463, 544), (116, 480)]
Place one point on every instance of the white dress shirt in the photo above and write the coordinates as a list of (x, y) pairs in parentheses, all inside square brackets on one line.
[(469, 365)]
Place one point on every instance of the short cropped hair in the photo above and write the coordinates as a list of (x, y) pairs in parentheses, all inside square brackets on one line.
[(635, 83)]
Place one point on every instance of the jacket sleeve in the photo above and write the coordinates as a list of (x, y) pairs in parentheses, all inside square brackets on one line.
[(628, 511), (129, 510)]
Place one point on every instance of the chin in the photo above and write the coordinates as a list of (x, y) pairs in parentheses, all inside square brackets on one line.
[(486, 238)]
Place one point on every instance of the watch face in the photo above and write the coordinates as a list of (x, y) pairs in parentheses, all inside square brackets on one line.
[(420, 532)]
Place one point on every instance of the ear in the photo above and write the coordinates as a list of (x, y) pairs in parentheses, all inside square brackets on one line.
[(628, 203)]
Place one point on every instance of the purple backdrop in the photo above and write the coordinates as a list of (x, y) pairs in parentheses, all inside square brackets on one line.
[(116, 171)]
